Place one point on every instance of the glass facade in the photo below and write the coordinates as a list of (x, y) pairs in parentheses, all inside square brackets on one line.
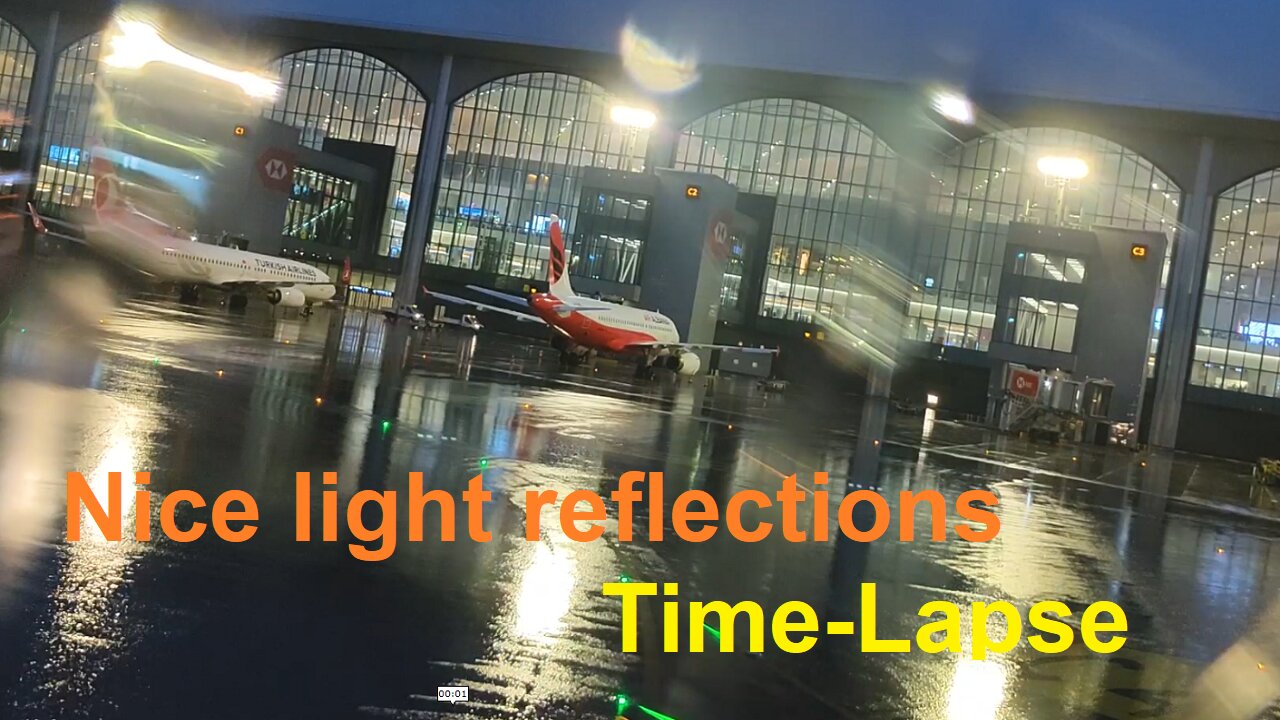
[(833, 180), (1238, 334), (17, 65), (994, 180), (610, 238), (512, 159), (64, 182), (321, 209), (348, 95)]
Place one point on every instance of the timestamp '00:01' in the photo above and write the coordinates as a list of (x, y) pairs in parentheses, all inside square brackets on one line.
[(452, 693)]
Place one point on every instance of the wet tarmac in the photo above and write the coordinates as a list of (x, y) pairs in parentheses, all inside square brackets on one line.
[(210, 400)]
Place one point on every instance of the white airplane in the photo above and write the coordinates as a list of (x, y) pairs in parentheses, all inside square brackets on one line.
[(584, 326), (150, 246)]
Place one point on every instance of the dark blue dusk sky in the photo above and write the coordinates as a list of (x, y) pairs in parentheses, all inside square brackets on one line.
[(1203, 56)]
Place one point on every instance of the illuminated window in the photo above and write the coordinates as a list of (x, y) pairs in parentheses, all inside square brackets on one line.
[(347, 95), (833, 180), (64, 180), (1238, 334), (321, 209), (1049, 266), (512, 159), (17, 64), (1042, 324), (994, 180)]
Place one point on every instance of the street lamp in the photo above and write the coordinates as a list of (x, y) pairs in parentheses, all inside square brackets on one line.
[(953, 106), (1058, 171), (1060, 167), (632, 117), (632, 120)]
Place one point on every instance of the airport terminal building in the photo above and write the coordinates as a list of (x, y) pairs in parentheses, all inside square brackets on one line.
[(1010, 191)]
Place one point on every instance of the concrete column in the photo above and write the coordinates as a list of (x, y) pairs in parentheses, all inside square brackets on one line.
[(38, 106), (1182, 305), (430, 155), (911, 190), (875, 412), (663, 142)]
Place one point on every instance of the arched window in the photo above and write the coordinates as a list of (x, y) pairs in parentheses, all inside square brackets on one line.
[(1238, 338), (64, 181), (833, 180), (348, 95), (17, 64), (513, 158), (994, 180)]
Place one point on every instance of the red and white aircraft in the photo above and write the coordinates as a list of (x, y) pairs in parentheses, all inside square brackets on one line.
[(585, 325)]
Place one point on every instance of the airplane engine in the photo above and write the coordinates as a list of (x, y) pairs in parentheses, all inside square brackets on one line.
[(686, 363), (287, 297)]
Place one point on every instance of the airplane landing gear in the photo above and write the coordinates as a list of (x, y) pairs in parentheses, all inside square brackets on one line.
[(188, 294), (644, 369), (571, 354), (237, 302)]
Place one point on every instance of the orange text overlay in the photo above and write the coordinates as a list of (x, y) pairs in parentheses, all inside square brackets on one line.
[(637, 507)]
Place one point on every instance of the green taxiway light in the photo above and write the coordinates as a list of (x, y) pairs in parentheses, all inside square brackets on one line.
[(484, 462), (624, 578), (623, 702), (386, 425), (155, 361), (655, 714)]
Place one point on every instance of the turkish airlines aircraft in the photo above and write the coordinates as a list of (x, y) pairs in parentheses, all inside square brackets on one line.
[(152, 247), (584, 325)]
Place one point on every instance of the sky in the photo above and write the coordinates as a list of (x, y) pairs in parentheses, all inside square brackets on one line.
[(1182, 55)]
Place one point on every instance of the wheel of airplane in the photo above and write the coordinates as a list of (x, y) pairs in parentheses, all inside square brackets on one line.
[(237, 302), (644, 371), (188, 294)]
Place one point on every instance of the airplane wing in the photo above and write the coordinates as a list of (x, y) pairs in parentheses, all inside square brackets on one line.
[(513, 299), (705, 346), (41, 225), (247, 285), (522, 316)]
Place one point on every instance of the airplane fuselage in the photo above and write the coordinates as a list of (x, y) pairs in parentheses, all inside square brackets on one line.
[(606, 326), (192, 262), (153, 250)]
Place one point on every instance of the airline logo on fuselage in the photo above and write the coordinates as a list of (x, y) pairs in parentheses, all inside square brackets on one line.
[(278, 266)]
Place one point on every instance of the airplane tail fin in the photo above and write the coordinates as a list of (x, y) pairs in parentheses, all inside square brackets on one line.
[(559, 266), (37, 222), (106, 186)]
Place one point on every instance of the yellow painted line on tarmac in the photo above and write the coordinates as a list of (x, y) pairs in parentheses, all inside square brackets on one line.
[(781, 475)]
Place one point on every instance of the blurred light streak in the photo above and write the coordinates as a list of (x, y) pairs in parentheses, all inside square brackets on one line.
[(206, 155), (138, 43)]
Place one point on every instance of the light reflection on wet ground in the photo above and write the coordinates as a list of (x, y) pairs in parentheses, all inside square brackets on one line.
[(212, 401)]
